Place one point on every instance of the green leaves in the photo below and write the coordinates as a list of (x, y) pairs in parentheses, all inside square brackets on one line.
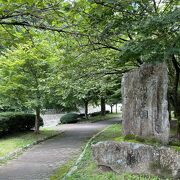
[(88, 47), (25, 72)]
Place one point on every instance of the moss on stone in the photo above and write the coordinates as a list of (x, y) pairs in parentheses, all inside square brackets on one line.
[(138, 139), (158, 169)]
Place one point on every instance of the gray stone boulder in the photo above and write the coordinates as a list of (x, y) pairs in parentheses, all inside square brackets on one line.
[(138, 158), (145, 107)]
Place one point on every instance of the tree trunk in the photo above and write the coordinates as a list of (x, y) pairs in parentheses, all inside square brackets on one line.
[(116, 109), (37, 120), (86, 109), (176, 96), (177, 111), (103, 106), (178, 127), (169, 109), (111, 108)]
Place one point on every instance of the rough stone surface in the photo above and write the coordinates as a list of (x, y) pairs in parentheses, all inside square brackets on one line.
[(138, 158), (145, 107)]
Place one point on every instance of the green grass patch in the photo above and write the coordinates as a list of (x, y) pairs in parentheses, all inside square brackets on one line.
[(175, 145), (106, 117), (137, 139), (14, 142), (149, 141), (61, 172)]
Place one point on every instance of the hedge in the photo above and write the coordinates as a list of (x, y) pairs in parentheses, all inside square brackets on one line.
[(17, 121), (98, 113), (69, 118)]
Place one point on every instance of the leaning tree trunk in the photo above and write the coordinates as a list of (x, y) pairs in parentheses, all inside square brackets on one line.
[(103, 106), (86, 109), (37, 120)]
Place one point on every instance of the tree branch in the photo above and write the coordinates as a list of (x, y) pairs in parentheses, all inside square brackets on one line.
[(155, 6), (41, 26), (102, 46)]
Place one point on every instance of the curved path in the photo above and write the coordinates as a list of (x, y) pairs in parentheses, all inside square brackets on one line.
[(39, 162)]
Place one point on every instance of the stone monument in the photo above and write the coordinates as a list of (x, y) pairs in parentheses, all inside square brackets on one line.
[(145, 107)]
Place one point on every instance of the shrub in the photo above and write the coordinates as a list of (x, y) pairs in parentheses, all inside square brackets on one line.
[(95, 114), (69, 118), (82, 116), (98, 113), (17, 121), (107, 111)]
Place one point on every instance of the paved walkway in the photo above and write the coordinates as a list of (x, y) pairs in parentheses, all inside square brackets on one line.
[(39, 162)]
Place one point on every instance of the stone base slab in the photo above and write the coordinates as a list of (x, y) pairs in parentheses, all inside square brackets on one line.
[(138, 158)]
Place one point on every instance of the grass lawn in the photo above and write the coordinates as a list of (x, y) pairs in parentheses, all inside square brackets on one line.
[(87, 168), (101, 118), (10, 144)]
